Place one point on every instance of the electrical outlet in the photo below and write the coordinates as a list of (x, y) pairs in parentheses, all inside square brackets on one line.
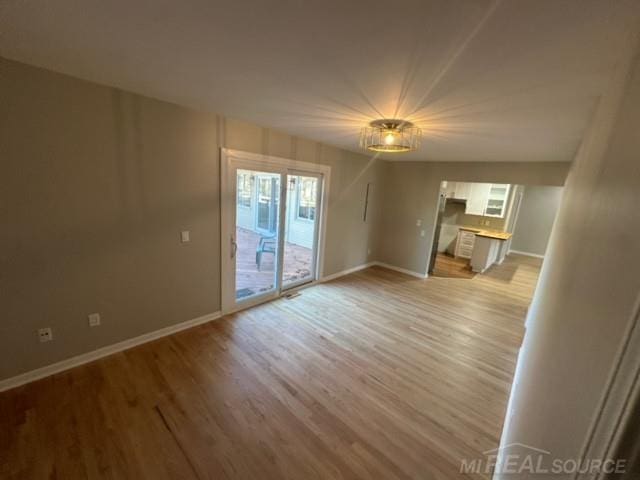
[(418, 223), (45, 334), (185, 237), (94, 319)]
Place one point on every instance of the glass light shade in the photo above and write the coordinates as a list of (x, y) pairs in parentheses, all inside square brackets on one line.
[(390, 136)]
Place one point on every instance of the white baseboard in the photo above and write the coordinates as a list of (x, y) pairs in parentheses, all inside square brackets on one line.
[(527, 254), (333, 276), (402, 270), (78, 360)]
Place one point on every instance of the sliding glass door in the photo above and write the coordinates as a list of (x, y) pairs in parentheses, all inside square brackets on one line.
[(301, 229), (255, 244), (271, 222)]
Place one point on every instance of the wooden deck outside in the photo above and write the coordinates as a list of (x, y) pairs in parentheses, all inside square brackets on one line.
[(250, 280)]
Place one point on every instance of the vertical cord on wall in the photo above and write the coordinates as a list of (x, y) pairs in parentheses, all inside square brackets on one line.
[(366, 203)]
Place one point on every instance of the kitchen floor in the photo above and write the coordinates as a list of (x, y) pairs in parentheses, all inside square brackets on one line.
[(448, 266)]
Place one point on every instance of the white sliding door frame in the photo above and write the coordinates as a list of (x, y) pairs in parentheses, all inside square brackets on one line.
[(228, 160), (316, 226)]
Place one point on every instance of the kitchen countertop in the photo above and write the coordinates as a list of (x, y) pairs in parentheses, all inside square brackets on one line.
[(495, 234)]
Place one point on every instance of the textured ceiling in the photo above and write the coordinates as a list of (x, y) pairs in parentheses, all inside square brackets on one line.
[(515, 80)]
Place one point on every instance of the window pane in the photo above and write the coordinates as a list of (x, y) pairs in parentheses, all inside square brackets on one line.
[(300, 230), (307, 198), (256, 238), (244, 189)]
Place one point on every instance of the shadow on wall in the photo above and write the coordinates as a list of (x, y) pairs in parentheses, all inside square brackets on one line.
[(127, 215)]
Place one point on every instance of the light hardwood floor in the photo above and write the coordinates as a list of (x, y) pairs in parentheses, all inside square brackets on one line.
[(452, 267), (374, 375)]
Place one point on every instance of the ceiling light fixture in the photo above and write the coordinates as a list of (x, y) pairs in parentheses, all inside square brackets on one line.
[(390, 136)]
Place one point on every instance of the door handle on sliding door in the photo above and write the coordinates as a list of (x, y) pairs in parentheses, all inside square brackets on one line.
[(234, 247)]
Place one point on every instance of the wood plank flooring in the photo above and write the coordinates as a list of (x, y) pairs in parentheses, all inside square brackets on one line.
[(375, 375), (452, 267)]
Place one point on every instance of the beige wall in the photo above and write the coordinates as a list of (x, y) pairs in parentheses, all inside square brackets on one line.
[(535, 219), (411, 193), (97, 184), (587, 296)]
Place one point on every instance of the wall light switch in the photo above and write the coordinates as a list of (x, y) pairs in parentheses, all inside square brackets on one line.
[(94, 319), (422, 233), (184, 236)]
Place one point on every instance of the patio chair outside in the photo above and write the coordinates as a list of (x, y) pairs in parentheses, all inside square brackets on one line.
[(267, 244)]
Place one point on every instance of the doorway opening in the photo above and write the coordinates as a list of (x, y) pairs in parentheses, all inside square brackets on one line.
[(488, 249), (479, 224)]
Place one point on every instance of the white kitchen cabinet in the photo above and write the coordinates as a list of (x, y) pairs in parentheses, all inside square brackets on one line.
[(485, 253), (465, 243), (449, 189), (487, 199), (462, 190), (497, 200), (477, 199)]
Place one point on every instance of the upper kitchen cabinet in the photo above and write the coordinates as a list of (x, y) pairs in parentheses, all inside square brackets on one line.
[(462, 190), (497, 200), (457, 190), (477, 199), (448, 188), (488, 199)]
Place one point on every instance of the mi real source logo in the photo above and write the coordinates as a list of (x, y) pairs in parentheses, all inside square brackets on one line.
[(518, 458)]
